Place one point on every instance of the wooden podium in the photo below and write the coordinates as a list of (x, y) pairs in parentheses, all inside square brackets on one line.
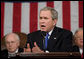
[(50, 55)]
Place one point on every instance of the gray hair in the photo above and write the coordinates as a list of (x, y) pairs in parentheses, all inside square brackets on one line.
[(77, 31), (17, 36), (74, 37), (53, 12)]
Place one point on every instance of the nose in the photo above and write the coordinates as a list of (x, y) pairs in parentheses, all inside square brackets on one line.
[(42, 21), (10, 44)]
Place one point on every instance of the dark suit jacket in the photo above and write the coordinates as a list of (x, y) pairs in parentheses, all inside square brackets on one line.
[(76, 48), (4, 53), (63, 41)]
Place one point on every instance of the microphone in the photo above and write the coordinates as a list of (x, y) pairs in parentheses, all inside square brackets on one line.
[(44, 34)]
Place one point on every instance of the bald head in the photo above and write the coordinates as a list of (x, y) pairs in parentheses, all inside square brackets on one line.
[(12, 42), (13, 35)]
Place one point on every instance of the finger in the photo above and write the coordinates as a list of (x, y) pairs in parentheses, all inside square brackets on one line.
[(27, 50), (35, 44), (28, 46), (24, 49)]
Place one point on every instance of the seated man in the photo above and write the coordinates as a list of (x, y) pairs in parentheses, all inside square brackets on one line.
[(12, 42), (78, 41)]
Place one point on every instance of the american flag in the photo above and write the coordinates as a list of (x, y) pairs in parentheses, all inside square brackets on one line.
[(24, 16)]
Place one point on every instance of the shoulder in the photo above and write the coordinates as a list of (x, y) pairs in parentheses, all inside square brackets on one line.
[(62, 30), (34, 33), (4, 53), (75, 48), (34, 36)]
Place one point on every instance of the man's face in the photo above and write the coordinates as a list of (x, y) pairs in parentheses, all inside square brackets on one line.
[(79, 38), (46, 22), (12, 43)]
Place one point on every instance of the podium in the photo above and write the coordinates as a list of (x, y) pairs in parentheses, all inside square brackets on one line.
[(50, 55)]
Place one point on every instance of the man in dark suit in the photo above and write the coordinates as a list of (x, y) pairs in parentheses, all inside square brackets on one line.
[(12, 42), (59, 40)]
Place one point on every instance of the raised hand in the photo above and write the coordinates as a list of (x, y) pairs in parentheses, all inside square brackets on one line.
[(36, 49), (27, 49)]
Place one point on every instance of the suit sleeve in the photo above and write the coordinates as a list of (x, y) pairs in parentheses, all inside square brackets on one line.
[(29, 40), (67, 42)]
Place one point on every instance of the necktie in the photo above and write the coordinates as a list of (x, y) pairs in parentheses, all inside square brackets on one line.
[(46, 40), (82, 55)]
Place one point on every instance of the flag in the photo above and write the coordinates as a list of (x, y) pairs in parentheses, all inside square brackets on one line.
[(24, 16)]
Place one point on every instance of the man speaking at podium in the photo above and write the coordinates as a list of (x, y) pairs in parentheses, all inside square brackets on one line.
[(50, 38)]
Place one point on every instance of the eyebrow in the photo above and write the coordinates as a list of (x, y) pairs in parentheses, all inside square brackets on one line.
[(44, 17)]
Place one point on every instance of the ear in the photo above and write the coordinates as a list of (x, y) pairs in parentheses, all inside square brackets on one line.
[(55, 21), (18, 43)]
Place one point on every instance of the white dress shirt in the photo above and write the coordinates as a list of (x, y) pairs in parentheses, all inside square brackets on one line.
[(12, 54), (81, 50)]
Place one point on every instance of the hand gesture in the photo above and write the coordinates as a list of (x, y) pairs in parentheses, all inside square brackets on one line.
[(27, 49), (36, 49)]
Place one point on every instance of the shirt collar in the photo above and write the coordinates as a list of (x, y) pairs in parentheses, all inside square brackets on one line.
[(50, 32), (81, 50), (13, 52)]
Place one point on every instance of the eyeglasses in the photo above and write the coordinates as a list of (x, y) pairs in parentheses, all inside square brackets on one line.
[(12, 42), (78, 38)]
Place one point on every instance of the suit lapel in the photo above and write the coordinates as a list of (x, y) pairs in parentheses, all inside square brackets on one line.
[(53, 39), (40, 39)]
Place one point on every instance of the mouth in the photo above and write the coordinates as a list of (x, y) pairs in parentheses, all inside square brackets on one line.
[(43, 26), (81, 41)]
